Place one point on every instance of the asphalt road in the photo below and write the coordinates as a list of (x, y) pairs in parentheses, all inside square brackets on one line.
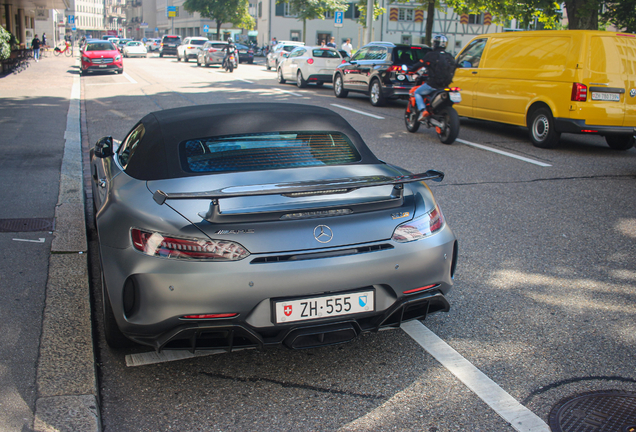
[(544, 302)]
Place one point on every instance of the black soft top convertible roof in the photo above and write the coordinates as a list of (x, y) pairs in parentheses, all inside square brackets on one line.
[(157, 154)]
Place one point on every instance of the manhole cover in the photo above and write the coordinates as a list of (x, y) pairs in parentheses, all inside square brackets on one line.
[(26, 225), (599, 411)]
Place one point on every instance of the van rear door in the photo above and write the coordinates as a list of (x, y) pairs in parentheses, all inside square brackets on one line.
[(607, 77)]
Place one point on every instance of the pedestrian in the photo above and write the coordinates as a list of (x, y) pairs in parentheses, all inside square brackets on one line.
[(35, 44), (44, 39), (322, 43), (347, 47), (274, 42), (332, 42)]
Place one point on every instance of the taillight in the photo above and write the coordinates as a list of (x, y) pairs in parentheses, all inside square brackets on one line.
[(419, 228), (424, 288), (579, 92), (161, 43), (343, 61), (394, 68), (310, 61), (211, 50), (211, 316), (155, 244)]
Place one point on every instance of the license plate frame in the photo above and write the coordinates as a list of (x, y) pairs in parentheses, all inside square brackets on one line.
[(455, 97), (324, 306), (606, 97), (103, 65)]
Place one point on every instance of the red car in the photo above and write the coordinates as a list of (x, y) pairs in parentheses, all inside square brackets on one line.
[(100, 55)]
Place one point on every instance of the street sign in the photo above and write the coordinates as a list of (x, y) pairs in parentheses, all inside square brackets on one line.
[(74, 29), (71, 19), (206, 28), (339, 19), (171, 11)]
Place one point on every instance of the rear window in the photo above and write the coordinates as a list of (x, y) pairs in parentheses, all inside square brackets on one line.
[(257, 152), (409, 55), (171, 39), (197, 42), (325, 53)]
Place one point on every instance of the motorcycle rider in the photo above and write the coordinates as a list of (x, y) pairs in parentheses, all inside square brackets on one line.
[(441, 69), (230, 48)]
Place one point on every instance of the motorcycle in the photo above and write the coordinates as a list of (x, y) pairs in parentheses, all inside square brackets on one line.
[(231, 62), (440, 113)]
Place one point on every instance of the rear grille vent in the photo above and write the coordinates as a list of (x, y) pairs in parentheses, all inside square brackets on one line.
[(318, 255)]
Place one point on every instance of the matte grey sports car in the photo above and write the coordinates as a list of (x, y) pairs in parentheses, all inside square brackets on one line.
[(217, 232)]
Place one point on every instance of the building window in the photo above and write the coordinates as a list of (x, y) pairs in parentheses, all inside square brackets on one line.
[(260, 9), (405, 14), (475, 19), (294, 35)]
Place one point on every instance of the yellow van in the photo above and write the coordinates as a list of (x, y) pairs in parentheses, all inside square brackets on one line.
[(553, 82)]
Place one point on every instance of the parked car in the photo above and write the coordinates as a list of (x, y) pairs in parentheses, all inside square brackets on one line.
[(376, 70), (553, 82), (246, 54), (135, 49), (121, 43), (169, 44), (276, 53), (189, 49), (211, 53), (309, 64), (303, 199), (153, 44), (100, 55)]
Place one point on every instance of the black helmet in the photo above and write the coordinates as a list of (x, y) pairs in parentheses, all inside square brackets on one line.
[(230, 40), (439, 41)]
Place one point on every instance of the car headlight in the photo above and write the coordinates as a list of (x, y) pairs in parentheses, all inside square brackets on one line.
[(156, 244), (420, 227), (118, 58), (86, 59)]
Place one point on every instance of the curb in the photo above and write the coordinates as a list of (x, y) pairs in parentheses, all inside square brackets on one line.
[(66, 378)]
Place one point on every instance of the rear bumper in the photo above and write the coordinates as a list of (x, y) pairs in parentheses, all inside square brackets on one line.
[(325, 78), (396, 91), (565, 125)]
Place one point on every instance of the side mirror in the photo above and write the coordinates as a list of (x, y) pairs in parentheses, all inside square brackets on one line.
[(104, 148)]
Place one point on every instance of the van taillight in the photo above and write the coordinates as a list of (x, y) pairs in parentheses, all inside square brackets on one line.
[(579, 92)]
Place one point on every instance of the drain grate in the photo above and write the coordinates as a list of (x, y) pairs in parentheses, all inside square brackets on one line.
[(598, 411), (27, 225)]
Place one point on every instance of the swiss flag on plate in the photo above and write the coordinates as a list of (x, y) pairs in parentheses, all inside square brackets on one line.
[(288, 310)]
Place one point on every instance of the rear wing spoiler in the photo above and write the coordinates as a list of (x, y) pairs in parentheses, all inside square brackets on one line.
[(302, 189)]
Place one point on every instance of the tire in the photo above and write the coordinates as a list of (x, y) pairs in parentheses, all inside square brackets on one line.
[(410, 118), (542, 132), (250, 62), (338, 87), (161, 54), (68, 53), (281, 80), (57, 53), (450, 132), (113, 335), (178, 57), (267, 65), (619, 142), (375, 93), (186, 59), (198, 62), (300, 81)]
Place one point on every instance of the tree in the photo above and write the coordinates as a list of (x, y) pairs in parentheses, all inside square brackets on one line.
[(313, 9), (621, 14), (377, 11), (223, 11)]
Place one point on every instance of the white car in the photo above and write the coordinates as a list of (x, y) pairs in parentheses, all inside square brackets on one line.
[(135, 49), (190, 48), (275, 56), (309, 65), (153, 44)]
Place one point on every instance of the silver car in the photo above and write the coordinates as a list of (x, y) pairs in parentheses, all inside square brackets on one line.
[(275, 56), (215, 232), (211, 53)]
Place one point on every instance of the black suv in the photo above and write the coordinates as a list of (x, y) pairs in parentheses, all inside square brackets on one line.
[(376, 69), (169, 44)]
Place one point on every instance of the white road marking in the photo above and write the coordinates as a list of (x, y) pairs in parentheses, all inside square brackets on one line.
[(130, 78), (40, 240), (520, 417), (287, 91), (359, 112), (504, 153), (153, 357)]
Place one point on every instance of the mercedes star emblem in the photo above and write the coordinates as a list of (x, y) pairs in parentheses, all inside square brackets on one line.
[(323, 233)]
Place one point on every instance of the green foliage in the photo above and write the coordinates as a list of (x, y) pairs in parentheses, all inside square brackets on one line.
[(314, 9), (377, 11), (7, 42), (548, 12), (223, 11), (621, 14)]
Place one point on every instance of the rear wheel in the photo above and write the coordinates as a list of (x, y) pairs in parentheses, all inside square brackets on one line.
[(448, 134), (619, 142), (338, 87), (185, 58), (198, 61), (69, 52), (541, 125), (375, 93), (281, 80), (410, 118), (300, 81)]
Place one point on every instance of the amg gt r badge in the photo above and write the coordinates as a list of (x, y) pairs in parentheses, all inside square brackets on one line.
[(247, 231), (323, 234)]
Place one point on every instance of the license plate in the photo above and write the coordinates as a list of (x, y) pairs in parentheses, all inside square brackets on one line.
[(614, 97), (455, 97), (103, 65), (324, 306)]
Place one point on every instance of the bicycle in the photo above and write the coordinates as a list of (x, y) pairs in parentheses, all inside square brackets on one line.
[(68, 50)]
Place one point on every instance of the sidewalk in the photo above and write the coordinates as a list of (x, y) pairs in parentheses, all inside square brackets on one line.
[(47, 369)]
